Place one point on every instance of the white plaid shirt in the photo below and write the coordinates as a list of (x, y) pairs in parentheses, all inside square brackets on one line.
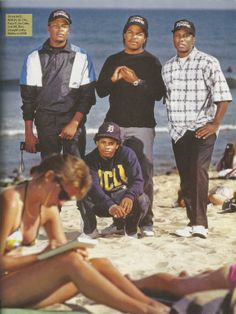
[(192, 91)]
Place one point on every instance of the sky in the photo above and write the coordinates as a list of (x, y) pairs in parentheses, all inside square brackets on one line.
[(142, 4)]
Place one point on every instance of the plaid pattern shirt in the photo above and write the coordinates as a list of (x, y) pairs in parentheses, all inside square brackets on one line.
[(192, 89)]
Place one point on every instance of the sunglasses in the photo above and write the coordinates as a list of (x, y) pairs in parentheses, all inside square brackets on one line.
[(63, 195)]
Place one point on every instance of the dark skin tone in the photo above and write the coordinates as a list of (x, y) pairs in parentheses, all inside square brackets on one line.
[(107, 148), (184, 43), (212, 127), (134, 40), (59, 31)]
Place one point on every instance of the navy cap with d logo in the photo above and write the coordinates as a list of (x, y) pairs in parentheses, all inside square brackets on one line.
[(108, 129)]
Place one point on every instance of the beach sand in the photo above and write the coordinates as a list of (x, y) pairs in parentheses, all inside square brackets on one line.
[(164, 252)]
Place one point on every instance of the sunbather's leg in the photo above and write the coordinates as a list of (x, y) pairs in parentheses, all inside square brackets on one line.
[(180, 286), (105, 267), (34, 284), (60, 295), (160, 282), (209, 280)]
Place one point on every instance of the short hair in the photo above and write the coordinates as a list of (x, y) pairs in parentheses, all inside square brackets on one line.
[(70, 169)]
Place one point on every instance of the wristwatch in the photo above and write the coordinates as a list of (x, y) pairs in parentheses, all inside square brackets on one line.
[(138, 82)]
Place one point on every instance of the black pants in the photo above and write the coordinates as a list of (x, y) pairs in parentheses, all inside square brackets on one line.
[(89, 210), (49, 126), (193, 157)]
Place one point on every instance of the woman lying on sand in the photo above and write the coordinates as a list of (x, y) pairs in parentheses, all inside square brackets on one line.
[(28, 282), (179, 286)]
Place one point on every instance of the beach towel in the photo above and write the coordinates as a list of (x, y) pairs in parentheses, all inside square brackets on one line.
[(41, 311), (207, 302), (54, 309), (164, 298)]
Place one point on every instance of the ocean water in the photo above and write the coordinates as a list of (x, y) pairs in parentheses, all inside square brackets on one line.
[(100, 33)]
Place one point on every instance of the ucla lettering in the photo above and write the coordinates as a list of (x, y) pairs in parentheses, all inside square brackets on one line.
[(112, 179)]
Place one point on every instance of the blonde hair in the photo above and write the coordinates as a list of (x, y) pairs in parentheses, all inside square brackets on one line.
[(69, 169)]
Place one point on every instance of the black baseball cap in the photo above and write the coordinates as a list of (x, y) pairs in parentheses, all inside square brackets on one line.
[(108, 129), (184, 24), (137, 20), (59, 14)]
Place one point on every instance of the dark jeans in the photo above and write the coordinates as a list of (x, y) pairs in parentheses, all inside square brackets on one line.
[(193, 157), (89, 211), (49, 127)]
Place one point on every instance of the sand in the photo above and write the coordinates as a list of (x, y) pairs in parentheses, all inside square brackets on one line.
[(164, 252)]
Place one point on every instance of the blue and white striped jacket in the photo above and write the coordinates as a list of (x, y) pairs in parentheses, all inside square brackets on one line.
[(57, 81)]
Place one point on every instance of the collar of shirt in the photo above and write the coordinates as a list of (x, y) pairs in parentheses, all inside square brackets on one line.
[(66, 48), (192, 91), (182, 104), (189, 57)]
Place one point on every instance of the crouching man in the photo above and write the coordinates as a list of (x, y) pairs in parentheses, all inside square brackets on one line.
[(117, 189)]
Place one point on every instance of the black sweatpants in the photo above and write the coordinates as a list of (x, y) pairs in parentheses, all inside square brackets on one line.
[(89, 210)]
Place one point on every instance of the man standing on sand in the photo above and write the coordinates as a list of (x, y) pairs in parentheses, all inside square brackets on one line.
[(57, 89), (196, 101), (132, 79)]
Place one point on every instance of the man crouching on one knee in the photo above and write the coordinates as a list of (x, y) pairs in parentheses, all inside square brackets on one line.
[(117, 189)]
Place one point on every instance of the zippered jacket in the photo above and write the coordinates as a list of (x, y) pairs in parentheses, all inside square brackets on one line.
[(57, 81)]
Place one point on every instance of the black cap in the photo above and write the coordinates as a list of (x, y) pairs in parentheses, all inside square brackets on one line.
[(108, 129), (184, 24), (137, 20), (59, 14)]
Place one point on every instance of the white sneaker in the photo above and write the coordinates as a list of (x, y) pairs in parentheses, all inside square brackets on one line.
[(112, 229), (147, 231), (184, 232), (132, 236), (200, 231), (94, 235)]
